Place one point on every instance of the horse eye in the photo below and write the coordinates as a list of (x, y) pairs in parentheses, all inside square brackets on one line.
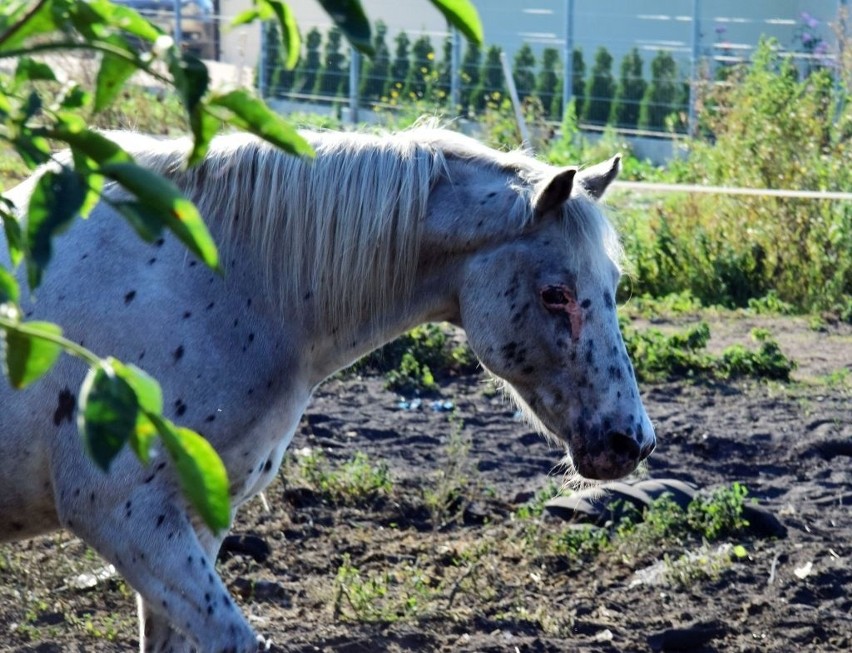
[(554, 297)]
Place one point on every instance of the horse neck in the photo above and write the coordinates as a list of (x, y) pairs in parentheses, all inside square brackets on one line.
[(433, 299)]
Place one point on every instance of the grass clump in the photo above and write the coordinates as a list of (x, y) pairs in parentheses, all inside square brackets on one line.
[(444, 496), (354, 481), (403, 592)]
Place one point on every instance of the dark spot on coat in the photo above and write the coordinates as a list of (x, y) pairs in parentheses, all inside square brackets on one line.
[(608, 300), (307, 296), (129, 296), (586, 303), (160, 241), (187, 315), (160, 520), (210, 305), (178, 353), (66, 404), (180, 408), (210, 418), (267, 466)]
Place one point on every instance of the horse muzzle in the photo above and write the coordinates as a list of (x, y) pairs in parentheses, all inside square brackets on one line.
[(612, 454)]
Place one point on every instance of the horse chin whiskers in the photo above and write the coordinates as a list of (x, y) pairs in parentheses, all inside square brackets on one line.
[(572, 481)]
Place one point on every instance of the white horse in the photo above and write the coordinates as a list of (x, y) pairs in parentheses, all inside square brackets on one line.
[(325, 260)]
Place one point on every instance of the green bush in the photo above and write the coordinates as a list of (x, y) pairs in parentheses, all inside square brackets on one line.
[(658, 356), (413, 361), (766, 129)]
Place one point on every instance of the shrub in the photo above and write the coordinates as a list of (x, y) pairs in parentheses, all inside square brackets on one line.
[(600, 90), (766, 129), (661, 96)]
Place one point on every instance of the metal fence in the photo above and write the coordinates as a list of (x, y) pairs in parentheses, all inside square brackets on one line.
[(632, 69)]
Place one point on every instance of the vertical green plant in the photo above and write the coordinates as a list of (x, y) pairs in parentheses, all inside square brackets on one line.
[(547, 83), (418, 82), (333, 75), (492, 84), (631, 90), (308, 69), (523, 71), (470, 66), (277, 78), (443, 73), (399, 67), (375, 69), (600, 90), (661, 95)]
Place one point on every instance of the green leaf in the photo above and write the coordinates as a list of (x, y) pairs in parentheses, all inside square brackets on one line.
[(290, 31), (55, 202), (72, 129), (150, 398), (107, 416), (14, 238), (74, 97), (41, 21), (148, 223), (126, 19), (147, 389), (253, 115), (112, 75), (462, 15), (9, 290), (31, 70), (190, 77), (201, 472), (740, 551), (165, 200), (349, 16), (33, 149), (29, 357), (248, 16), (204, 127)]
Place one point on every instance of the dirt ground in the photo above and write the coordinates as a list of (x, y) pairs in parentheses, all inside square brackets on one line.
[(396, 573)]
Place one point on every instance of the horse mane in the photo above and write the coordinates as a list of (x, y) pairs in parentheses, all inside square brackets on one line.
[(352, 216)]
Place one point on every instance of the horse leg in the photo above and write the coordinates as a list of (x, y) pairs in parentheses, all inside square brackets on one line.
[(151, 540), (156, 632)]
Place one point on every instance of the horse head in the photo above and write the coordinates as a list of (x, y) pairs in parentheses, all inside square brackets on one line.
[(538, 307)]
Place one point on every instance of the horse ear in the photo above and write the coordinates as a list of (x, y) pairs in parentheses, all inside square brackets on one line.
[(555, 191), (597, 178)]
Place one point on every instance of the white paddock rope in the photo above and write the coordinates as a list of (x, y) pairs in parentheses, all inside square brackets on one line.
[(646, 187)]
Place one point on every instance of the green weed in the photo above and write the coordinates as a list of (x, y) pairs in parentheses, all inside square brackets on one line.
[(412, 362), (710, 518), (354, 481), (658, 356), (443, 497), (400, 593)]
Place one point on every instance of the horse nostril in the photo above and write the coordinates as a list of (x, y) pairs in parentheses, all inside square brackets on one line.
[(623, 445), (647, 450)]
